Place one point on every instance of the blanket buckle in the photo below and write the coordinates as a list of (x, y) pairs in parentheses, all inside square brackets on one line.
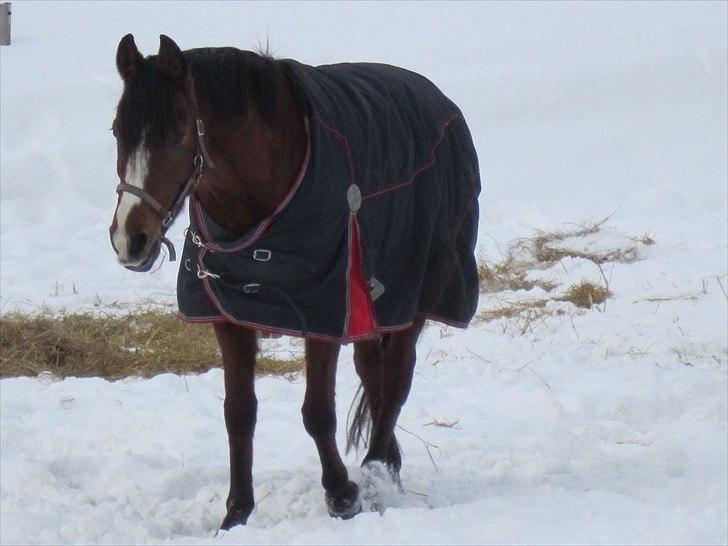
[(262, 255)]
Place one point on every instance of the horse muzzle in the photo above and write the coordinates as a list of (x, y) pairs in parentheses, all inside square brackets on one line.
[(146, 265), (138, 252)]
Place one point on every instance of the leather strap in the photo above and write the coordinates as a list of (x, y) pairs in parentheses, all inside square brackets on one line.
[(144, 196), (168, 215)]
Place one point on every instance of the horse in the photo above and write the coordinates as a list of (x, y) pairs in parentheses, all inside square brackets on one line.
[(337, 203)]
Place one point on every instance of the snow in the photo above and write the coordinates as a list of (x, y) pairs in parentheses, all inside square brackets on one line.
[(592, 426)]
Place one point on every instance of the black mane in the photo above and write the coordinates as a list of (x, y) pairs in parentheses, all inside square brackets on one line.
[(226, 78)]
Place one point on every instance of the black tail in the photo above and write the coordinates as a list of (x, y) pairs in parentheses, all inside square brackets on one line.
[(359, 423)]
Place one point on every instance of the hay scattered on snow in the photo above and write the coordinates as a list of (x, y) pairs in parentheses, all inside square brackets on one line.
[(509, 275), (540, 253), (142, 343), (586, 294)]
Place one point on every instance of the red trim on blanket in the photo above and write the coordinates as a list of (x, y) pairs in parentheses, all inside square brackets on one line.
[(201, 320), (428, 316), (360, 316), (345, 140), (420, 169), (196, 208)]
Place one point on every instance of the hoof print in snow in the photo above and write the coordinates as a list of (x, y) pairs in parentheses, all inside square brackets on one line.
[(381, 487)]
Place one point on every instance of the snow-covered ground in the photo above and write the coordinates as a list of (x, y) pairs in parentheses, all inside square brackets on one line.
[(604, 426)]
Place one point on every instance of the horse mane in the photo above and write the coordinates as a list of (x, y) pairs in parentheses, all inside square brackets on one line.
[(228, 79)]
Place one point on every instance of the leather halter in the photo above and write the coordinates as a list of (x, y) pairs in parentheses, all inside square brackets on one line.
[(168, 215)]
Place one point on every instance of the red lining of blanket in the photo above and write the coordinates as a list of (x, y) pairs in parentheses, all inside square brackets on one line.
[(360, 316)]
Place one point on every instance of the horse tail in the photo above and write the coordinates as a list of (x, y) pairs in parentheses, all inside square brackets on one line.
[(358, 422)]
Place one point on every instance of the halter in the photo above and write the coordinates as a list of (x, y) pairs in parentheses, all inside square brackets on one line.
[(168, 215)]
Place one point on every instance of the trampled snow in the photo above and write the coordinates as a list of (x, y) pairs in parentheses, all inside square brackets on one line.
[(599, 426)]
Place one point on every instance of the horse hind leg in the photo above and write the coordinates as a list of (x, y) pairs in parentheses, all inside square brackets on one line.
[(367, 360), (319, 419), (396, 369)]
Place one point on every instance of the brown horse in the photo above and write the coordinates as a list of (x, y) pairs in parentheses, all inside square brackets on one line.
[(236, 131)]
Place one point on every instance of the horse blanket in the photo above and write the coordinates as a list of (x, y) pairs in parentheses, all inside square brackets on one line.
[(379, 227)]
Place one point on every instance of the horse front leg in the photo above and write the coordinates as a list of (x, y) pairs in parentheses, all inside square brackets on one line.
[(239, 347), (319, 419)]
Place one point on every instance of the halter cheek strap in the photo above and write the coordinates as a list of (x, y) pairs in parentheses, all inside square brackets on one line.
[(168, 215)]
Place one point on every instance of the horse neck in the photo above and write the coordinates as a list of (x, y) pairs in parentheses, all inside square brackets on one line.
[(256, 164)]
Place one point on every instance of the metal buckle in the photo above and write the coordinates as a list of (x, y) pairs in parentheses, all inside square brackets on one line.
[(262, 255), (196, 240), (204, 273), (251, 287), (168, 220)]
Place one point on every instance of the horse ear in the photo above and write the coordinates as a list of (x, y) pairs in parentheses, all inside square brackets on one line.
[(171, 61), (128, 58)]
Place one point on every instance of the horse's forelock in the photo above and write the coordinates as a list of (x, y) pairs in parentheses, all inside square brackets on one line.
[(146, 106)]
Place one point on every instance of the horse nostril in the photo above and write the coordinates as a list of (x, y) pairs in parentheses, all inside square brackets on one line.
[(137, 243)]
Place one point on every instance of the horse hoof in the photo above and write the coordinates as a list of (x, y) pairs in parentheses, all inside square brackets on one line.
[(381, 486), (378, 471), (236, 516), (345, 503), (232, 519)]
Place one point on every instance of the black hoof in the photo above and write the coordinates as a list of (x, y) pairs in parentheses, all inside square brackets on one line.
[(236, 515), (344, 504), (232, 519)]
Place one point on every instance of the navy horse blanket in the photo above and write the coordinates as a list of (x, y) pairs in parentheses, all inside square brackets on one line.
[(379, 227)]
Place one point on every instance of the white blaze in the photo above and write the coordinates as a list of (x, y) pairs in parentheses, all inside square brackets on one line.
[(137, 169)]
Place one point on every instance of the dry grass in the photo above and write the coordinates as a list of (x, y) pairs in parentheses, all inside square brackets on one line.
[(522, 316), (545, 252), (508, 275), (142, 343), (510, 310), (541, 252), (586, 294)]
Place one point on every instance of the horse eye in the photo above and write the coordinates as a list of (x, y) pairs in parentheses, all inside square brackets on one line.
[(177, 137)]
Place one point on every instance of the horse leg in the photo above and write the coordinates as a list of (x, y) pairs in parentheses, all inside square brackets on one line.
[(239, 347), (396, 369), (319, 419), (367, 361)]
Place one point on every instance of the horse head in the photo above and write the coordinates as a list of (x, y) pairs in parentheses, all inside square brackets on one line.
[(158, 157)]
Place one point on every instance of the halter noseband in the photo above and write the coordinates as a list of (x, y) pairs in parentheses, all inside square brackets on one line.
[(168, 215)]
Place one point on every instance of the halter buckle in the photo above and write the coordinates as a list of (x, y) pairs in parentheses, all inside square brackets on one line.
[(167, 220)]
